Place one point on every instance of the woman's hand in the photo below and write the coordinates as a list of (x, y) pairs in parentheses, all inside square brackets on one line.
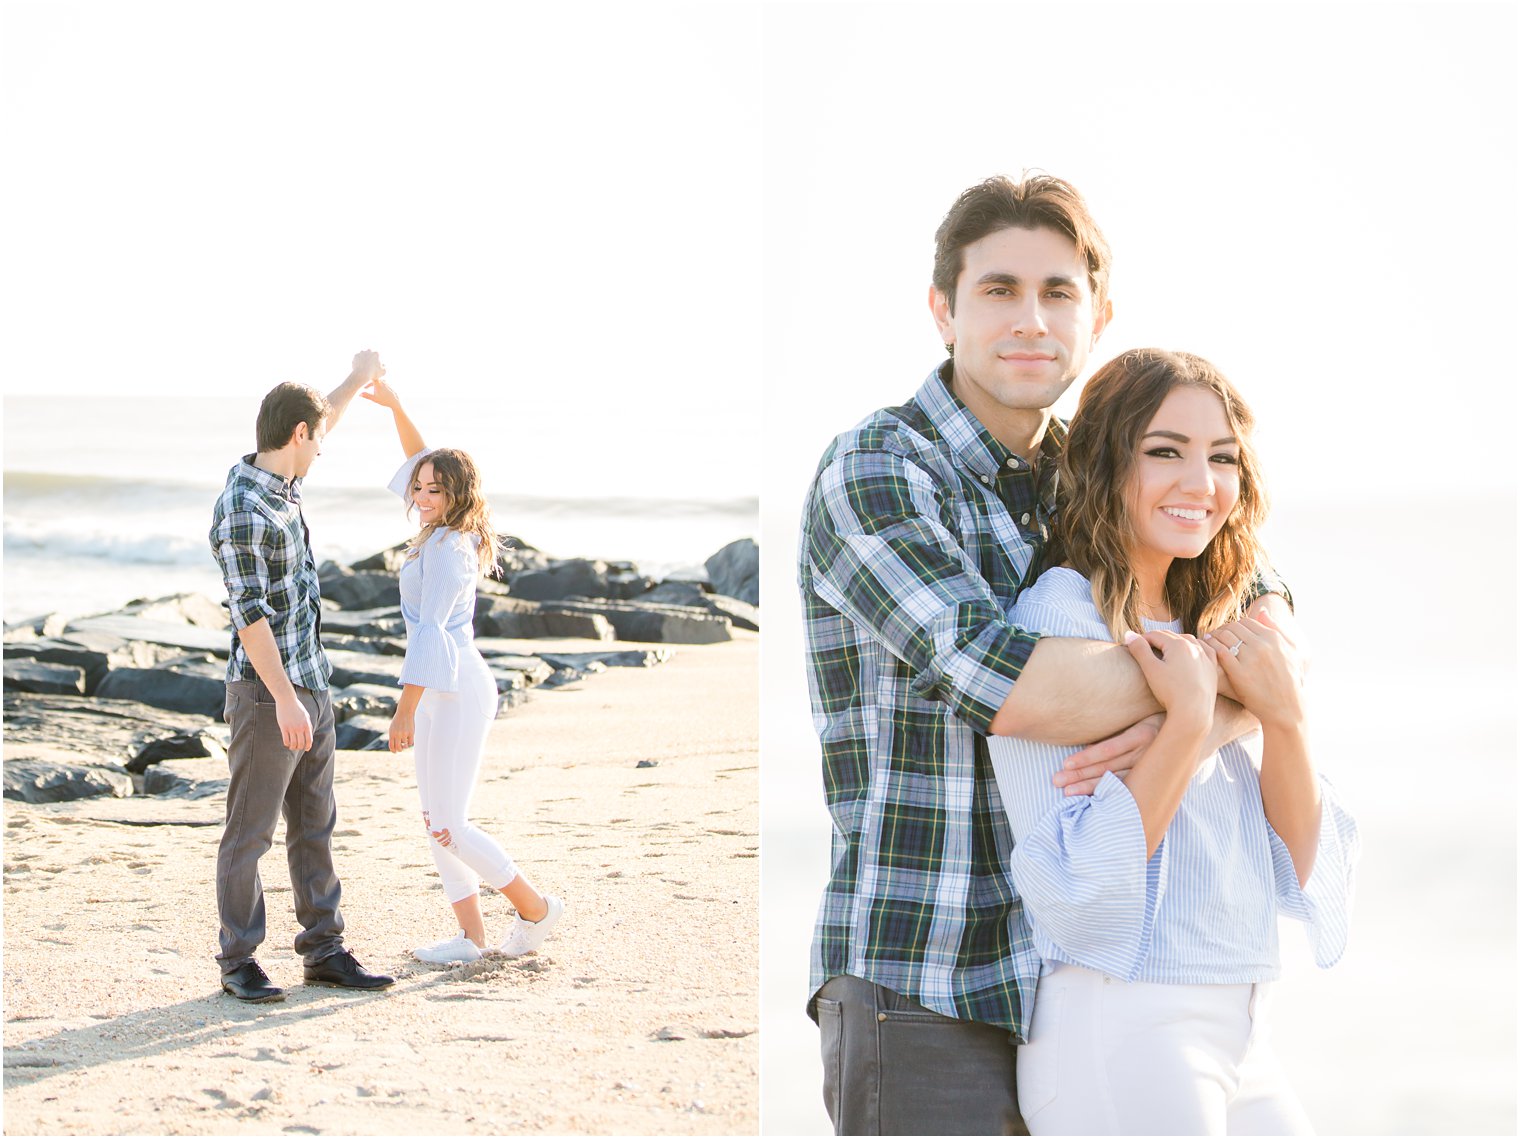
[(1180, 670), (1263, 668), (378, 391), (403, 729)]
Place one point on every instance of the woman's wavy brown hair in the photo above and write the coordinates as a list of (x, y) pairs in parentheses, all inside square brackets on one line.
[(467, 511), (1094, 533)]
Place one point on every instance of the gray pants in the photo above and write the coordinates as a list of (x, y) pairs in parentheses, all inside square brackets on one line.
[(893, 1067), (268, 778)]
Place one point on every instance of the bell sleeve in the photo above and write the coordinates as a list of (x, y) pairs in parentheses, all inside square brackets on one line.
[(449, 568)]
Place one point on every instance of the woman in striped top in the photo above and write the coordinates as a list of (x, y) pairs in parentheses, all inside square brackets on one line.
[(448, 698), (1153, 902)]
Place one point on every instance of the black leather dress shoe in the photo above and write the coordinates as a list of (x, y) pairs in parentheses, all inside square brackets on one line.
[(343, 971), (250, 983)]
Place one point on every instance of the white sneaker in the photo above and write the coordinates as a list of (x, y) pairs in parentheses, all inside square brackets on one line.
[(456, 950), (526, 936)]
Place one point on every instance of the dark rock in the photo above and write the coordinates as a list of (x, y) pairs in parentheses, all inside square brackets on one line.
[(647, 763), (386, 561), (577, 577), (173, 634), (742, 614), (514, 556), (368, 623), (205, 743), (351, 668), (95, 653), (512, 617), (36, 781), (167, 783), (203, 691), (364, 733), (369, 646), (735, 570), (364, 700), (39, 676), (182, 608), (634, 621), (366, 590), (624, 585), (563, 676), (622, 658), (88, 729)]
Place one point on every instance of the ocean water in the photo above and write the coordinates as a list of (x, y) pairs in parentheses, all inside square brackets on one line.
[(110, 500), (1413, 640)]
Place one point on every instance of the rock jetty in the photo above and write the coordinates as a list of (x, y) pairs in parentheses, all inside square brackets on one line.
[(94, 705)]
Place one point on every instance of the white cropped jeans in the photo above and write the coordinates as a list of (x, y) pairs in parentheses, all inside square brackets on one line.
[(451, 732), (1107, 1057)]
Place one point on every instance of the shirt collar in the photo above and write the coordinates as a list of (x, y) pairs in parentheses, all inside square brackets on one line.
[(972, 443), (288, 489)]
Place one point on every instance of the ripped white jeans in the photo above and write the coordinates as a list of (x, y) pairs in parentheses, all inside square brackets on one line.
[(450, 735)]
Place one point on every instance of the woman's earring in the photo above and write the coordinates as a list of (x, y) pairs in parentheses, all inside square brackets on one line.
[(950, 348)]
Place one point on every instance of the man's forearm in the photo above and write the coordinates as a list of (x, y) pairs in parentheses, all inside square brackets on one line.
[(1074, 691), (258, 642), (1231, 721), (341, 396)]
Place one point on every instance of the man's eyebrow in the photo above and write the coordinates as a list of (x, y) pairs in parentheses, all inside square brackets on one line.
[(1181, 438), (1013, 281)]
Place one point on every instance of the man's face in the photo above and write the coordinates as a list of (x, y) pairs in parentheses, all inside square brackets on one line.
[(308, 445), (1023, 324)]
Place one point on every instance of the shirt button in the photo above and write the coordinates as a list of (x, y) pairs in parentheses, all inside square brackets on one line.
[(1013, 462), (985, 479), (1024, 519)]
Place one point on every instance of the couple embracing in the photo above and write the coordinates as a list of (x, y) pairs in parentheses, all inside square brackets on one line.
[(279, 709), (1023, 928)]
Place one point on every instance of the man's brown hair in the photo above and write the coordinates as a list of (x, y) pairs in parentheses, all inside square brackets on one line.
[(283, 408), (1040, 201)]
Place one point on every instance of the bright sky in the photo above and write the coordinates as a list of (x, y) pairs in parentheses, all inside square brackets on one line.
[(553, 206)]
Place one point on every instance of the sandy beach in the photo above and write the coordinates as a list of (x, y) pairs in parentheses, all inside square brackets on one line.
[(639, 1016)]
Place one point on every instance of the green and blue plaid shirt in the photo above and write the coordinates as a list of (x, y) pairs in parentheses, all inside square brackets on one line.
[(917, 535), (261, 542)]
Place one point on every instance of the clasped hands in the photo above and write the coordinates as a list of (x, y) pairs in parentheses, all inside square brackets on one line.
[(1251, 661)]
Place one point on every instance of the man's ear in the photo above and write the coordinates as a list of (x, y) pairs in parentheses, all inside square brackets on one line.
[(299, 435), (939, 308), (1101, 318)]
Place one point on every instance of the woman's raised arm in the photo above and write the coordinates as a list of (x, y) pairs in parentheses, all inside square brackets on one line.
[(378, 391)]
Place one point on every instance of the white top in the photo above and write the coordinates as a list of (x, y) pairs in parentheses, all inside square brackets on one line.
[(437, 598), (1203, 909)]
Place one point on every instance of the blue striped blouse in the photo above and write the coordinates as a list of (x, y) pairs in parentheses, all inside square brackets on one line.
[(437, 599), (1203, 909)]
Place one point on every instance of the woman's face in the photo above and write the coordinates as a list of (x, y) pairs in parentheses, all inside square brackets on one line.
[(1186, 478), (431, 499)]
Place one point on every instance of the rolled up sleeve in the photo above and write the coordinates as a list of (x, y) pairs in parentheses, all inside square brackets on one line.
[(881, 549), (241, 543), (449, 570)]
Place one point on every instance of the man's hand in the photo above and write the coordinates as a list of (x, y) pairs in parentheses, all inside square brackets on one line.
[(367, 366), (1118, 754), (295, 724)]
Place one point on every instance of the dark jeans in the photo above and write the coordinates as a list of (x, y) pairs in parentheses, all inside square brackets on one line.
[(267, 778), (893, 1067)]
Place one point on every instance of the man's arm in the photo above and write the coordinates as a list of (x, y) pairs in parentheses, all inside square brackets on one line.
[(1073, 691), (366, 367), (1119, 753), (295, 724)]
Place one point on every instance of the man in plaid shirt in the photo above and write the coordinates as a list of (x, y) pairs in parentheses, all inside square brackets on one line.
[(278, 705), (922, 525)]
